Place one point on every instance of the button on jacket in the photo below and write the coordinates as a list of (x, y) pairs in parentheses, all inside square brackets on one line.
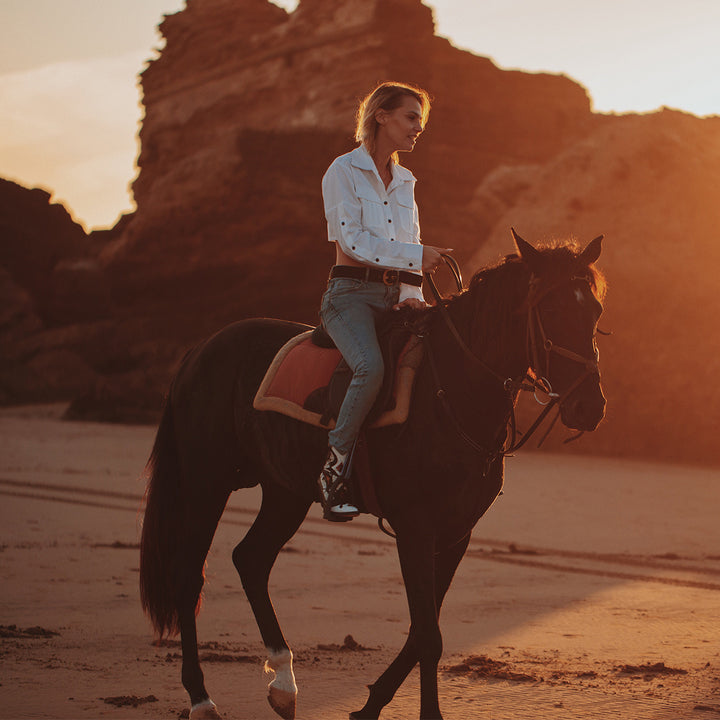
[(375, 226)]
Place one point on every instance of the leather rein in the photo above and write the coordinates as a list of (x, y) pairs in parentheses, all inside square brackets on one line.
[(537, 340)]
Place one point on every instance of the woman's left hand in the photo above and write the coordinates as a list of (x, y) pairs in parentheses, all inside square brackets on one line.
[(413, 303)]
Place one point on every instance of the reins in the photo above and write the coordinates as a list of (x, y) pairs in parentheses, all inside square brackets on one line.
[(510, 385)]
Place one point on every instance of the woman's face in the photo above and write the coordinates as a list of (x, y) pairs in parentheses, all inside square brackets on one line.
[(398, 129)]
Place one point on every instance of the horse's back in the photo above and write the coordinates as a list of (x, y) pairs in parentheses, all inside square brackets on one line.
[(214, 388), (246, 343)]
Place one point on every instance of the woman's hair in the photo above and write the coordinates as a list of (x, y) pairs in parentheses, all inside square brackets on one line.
[(386, 96)]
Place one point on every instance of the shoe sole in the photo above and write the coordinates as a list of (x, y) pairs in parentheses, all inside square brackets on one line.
[(339, 517)]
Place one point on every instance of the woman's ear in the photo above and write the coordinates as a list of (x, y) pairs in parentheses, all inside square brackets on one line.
[(381, 116)]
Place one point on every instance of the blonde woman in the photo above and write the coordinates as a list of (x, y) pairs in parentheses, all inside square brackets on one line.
[(379, 259)]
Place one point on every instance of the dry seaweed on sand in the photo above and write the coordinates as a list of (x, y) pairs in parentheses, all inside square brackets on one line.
[(481, 666)]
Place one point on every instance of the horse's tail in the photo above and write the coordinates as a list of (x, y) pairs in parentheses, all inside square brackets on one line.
[(161, 530)]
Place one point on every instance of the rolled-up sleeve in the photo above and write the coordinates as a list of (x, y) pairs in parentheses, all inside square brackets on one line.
[(344, 214)]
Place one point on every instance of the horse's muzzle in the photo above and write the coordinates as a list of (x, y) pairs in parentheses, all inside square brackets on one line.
[(584, 408)]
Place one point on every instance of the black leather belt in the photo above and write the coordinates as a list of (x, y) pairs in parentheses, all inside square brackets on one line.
[(386, 277)]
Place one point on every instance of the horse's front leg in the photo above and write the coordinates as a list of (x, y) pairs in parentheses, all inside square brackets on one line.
[(416, 550), (384, 688)]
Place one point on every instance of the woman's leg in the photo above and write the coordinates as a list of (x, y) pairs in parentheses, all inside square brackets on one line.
[(349, 312)]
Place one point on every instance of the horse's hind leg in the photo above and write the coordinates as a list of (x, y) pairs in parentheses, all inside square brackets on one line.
[(384, 688), (281, 514), (196, 542)]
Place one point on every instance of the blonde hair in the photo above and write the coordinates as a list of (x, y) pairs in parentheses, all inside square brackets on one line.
[(386, 96)]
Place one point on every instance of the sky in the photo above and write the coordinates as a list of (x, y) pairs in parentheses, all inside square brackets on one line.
[(69, 96)]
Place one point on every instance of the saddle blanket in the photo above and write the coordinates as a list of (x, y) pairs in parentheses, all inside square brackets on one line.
[(301, 371)]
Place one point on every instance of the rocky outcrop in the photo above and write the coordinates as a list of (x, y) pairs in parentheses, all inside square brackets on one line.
[(41, 289), (36, 238), (650, 183), (248, 105), (245, 108)]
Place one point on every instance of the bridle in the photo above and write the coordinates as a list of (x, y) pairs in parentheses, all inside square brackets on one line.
[(539, 346)]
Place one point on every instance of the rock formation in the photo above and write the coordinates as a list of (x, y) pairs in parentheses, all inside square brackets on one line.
[(248, 105), (41, 251), (245, 108), (651, 184)]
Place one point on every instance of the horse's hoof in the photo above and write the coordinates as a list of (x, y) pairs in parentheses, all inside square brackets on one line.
[(205, 710), (282, 702)]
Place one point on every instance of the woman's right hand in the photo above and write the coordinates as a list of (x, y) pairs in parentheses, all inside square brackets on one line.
[(432, 257)]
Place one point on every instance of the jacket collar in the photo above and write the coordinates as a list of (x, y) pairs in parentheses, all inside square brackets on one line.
[(361, 158)]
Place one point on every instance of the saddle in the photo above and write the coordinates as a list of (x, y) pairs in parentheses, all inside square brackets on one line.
[(308, 379)]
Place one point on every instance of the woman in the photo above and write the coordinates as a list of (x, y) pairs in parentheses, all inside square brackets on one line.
[(373, 220)]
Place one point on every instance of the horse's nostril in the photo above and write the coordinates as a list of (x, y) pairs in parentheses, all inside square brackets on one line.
[(583, 414), (589, 415), (580, 412)]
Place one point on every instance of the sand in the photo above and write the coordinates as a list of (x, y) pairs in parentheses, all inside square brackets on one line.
[(590, 590)]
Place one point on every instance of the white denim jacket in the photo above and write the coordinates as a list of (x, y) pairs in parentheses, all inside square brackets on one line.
[(373, 225)]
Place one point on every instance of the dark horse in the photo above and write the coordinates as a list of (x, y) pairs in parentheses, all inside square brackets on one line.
[(529, 321)]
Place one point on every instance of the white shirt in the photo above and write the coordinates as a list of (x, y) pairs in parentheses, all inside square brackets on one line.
[(374, 225)]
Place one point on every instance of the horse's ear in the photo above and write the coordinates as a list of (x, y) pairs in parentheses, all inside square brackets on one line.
[(526, 251), (592, 252)]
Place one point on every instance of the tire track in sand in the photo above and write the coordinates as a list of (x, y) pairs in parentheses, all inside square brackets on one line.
[(364, 531)]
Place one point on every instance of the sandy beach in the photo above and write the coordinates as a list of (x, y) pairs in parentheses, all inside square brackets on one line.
[(591, 590)]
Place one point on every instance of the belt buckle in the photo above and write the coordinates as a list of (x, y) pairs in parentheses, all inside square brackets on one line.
[(390, 277)]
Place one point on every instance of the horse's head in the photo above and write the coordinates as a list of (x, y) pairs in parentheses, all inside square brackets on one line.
[(563, 305)]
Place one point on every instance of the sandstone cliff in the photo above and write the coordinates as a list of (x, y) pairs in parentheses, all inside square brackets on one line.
[(245, 108), (42, 253), (248, 105), (651, 184)]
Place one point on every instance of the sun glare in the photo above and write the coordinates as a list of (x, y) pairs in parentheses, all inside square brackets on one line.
[(288, 5)]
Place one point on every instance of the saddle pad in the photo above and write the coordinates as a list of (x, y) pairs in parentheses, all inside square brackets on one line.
[(301, 367)]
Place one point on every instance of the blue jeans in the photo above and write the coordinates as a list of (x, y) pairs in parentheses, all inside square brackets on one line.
[(349, 311)]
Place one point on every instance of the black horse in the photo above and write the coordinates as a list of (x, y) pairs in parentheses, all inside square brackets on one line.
[(530, 321)]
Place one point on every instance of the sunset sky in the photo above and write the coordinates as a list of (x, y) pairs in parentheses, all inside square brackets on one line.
[(69, 103)]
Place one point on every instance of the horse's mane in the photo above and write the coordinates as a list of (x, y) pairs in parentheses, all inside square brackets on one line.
[(558, 261), (490, 307)]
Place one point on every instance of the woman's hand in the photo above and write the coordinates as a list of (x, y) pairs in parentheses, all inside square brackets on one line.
[(432, 257), (414, 303)]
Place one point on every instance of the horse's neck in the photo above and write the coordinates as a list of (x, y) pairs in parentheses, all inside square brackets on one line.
[(497, 340), (473, 395)]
